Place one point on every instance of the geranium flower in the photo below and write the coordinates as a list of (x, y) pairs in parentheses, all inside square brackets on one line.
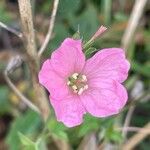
[(78, 86)]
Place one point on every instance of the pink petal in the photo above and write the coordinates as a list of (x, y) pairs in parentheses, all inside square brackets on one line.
[(73, 43), (68, 58), (105, 98), (54, 83), (69, 111), (108, 63)]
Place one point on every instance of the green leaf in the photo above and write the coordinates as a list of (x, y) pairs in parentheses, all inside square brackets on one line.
[(25, 140), (40, 144), (57, 129), (116, 136), (110, 133), (27, 123), (90, 124)]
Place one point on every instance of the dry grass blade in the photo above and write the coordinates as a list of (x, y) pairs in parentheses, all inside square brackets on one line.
[(127, 120), (137, 138), (133, 22), (51, 26), (11, 30), (20, 95)]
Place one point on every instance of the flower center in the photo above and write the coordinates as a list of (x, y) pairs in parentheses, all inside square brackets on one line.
[(78, 83)]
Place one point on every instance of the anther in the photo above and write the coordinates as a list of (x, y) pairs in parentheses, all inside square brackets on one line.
[(77, 82), (75, 76), (74, 87), (84, 78), (68, 83), (80, 91)]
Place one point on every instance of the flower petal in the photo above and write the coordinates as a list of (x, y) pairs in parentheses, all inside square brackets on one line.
[(69, 111), (52, 81), (104, 99), (68, 58), (108, 63)]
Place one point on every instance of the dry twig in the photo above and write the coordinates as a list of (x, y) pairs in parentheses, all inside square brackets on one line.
[(142, 98), (19, 34), (137, 138), (13, 64), (88, 143), (32, 55), (19, 94), (51, 26), (134, 129), (127, 120), (133, 22)]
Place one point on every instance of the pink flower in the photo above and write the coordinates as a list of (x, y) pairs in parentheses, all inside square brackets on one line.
[(78, 86)]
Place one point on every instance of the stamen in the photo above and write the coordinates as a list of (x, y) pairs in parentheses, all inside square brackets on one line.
[(84, 78), (75, 76), (77, 82), (74, 87), (68, 83), (80, 91)]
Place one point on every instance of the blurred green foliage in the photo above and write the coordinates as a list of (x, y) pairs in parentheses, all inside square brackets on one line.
[(5, 17), (4, 99), (28, 124)]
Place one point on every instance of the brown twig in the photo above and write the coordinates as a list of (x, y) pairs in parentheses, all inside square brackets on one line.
[(27, 27), (19, 34), (51, 26), (32, 55), (133, 22), (137, 138)]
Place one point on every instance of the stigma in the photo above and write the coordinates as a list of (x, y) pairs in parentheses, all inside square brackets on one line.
[(78, 83)]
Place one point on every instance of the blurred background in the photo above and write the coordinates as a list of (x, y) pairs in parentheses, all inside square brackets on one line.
[(22, 128)]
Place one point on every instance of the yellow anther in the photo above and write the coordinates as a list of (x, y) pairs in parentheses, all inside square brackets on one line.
[(74, 87), (75, 76), (77, 82)]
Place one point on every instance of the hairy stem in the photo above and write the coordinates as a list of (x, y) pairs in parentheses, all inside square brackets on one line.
[(31, 51)]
